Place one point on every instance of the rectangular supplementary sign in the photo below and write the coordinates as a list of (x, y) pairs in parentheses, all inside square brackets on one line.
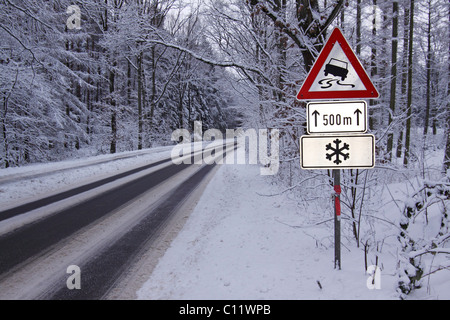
[(337, 117), (337, 151)]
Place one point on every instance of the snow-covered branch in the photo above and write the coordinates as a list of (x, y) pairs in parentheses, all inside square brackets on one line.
[(225, 64)]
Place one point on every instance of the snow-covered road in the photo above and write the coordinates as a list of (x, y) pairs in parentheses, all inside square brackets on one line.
[(102, 231)]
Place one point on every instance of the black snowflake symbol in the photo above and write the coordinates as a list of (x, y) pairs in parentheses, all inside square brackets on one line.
[(337, 151)]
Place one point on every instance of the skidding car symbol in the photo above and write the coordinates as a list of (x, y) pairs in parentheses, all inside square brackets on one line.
[(337, 68)]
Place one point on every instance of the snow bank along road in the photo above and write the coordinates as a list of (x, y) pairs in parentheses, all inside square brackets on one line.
[(107, 228)]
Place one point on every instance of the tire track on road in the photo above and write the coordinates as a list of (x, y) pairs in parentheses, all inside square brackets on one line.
[(99, 274), (18, 246), (6, 214)]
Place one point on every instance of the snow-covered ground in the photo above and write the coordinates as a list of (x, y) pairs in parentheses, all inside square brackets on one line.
[(241, 244), (247, 240)]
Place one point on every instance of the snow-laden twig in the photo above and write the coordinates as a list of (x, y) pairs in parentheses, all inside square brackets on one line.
[(225, 64), (418, 253), (304, 226), (28, 13), (392, 197), (288, 189), (447, 267), (21, 43)]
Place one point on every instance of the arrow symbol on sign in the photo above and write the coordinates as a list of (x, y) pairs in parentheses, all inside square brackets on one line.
[(357, 112), (315, 114)]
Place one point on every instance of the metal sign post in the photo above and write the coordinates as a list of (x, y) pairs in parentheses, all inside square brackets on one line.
[(336, 129), (337, 218)]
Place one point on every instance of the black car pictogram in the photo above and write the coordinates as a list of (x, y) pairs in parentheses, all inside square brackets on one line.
[(337, 68)]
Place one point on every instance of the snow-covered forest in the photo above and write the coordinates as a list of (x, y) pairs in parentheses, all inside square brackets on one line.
[(107, 76), (105, 83), (91, 77)]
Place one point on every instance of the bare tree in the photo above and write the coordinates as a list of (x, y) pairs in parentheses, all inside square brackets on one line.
[(447, 129), (393, 91), (410, 83)]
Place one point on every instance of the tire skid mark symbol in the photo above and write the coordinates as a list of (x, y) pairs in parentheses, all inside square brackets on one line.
[(329, 83)]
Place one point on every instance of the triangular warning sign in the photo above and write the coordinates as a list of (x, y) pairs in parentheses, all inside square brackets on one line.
[(337, 74)]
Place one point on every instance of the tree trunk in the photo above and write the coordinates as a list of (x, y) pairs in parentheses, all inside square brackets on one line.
[(390, 139), (383, 70), (427, 109), (447, 145), (180, 107), (373, 64), (4, 133), (409, 101), (139, 97), (404, 78), (112, 75), (88, 91), (358, 27), (305, 17), (153, 93), (281, 39), (128, 83)]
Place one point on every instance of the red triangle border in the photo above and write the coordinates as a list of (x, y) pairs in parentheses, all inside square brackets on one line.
[(305, 94)]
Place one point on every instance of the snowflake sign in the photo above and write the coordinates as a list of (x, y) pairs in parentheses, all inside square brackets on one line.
[(333, 152), (337, 151)]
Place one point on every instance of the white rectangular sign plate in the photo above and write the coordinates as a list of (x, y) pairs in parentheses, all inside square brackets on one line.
[(337, 117), (337, 151)]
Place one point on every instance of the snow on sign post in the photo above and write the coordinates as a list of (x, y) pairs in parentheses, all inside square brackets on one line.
[(336, 128)]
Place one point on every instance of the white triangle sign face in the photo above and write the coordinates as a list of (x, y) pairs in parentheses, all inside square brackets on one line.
[(337, 74)]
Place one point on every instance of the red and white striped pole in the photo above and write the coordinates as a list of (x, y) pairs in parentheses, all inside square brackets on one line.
[(337, 218)]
